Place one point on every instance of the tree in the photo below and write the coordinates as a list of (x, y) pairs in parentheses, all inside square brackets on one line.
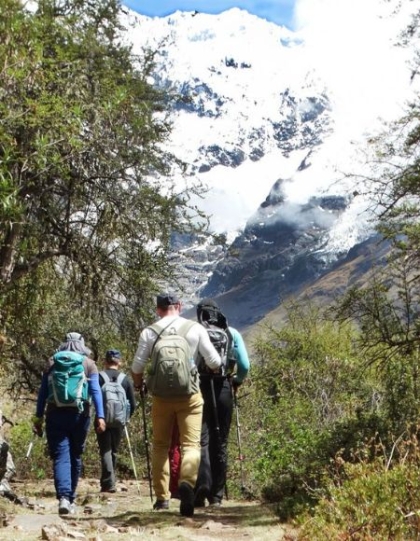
[(387, 308), (85, 203)]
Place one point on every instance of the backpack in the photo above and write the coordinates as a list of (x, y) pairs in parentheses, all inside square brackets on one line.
[(173, 371), (116, 404), (67, 381), (222, 342)]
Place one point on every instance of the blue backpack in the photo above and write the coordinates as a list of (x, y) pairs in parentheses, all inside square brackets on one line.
[(67, 381)]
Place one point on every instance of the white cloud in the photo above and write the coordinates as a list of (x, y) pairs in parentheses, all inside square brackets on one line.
[(351, 45)]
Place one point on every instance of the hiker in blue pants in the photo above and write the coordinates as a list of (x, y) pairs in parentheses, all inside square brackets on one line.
[(67, 424)]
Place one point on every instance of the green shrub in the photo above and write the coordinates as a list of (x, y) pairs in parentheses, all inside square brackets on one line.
[(36, 464), (374, 502)]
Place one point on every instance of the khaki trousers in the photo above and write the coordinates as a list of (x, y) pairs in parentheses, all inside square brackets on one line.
[(188, 413)]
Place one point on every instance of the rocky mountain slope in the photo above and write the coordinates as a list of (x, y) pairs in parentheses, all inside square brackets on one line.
[(261, 128)]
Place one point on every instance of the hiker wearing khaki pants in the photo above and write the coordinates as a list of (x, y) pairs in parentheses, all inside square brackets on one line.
[(188, 415), (186, 409)]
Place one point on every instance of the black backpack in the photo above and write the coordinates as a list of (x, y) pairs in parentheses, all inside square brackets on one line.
[(220, 336)]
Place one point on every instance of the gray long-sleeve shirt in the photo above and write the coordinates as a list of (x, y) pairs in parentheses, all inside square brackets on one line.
[(197, 338)]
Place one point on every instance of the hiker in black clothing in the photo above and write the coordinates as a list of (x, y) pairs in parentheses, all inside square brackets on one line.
[(109, 441), (217, 391)]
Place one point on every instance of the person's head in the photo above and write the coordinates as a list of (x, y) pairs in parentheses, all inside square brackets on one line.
[(167, 304), (74, 341), (208, 311), (74, 337), (113, 358)]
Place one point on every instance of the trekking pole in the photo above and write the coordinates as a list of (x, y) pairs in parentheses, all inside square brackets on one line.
[(35, 434), (216, 415), (146, 440), (132, 458), (238, 437), (29, 451)]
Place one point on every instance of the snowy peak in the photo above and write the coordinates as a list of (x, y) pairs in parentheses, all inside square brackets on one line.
[(248, 94), (273, 123)]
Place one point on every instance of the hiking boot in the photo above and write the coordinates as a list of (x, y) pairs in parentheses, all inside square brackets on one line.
[(64, 506), (73, 509), (186, 494), (161, 505), (111, 490), (215, 502)]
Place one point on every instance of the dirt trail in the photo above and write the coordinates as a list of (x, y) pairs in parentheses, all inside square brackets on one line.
[(125, 516)]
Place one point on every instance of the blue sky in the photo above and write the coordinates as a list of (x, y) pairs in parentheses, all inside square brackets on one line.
[(276, 11)]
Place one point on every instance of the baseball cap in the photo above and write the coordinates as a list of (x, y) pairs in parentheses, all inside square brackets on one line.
[(113, 355), (163, 300)]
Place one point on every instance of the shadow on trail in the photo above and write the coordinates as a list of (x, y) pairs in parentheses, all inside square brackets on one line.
[(237, 516)]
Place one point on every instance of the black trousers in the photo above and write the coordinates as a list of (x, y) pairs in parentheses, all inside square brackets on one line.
[(217, 418), (109, 442)]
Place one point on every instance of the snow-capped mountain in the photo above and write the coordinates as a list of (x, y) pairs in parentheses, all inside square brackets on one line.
[(264, 127)]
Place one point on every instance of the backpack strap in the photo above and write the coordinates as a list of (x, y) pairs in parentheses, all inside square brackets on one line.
[(183, 330), (104, 376), (107, 379), (159, 331), (185, 327), (120, 378)]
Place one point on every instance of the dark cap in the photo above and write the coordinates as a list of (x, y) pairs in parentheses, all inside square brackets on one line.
[(208, 303), (163, 300), (208, 311), (113, 355)]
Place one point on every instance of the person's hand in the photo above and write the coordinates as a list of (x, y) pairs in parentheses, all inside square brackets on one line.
[(100, 425), (143, 390), (236, 384), (37, 426), (138, 381)]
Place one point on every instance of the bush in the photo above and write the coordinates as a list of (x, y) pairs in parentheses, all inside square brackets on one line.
[(374, 502)]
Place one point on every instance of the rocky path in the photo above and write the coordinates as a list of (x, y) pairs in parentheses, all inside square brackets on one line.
[(125, 516)]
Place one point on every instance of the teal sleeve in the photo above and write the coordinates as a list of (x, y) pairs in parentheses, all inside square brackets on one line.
[(241, 355)]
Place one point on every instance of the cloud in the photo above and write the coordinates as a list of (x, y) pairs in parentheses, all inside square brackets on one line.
[(351, 46)]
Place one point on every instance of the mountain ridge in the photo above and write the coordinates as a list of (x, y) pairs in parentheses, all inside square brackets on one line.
[(259, 126)]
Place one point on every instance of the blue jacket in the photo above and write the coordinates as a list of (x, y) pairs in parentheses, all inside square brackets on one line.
[(241, 355)]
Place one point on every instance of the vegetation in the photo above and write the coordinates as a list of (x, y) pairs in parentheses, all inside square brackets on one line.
[(335, 403), (86, 210), (329, 419)]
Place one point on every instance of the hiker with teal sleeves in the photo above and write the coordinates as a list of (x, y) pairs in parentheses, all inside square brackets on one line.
[(69, 381), (218, 393)]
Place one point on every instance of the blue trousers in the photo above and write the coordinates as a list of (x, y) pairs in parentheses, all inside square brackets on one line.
[(66, 431)]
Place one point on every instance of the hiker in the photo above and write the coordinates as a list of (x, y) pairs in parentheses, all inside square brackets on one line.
[(174, 462), (67, 414), (7, 467), (116, 415), (217, 392), (7, 472), (167, 405)]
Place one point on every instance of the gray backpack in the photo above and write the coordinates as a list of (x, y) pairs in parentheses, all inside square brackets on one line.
[(173, 371), (116, 405)]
